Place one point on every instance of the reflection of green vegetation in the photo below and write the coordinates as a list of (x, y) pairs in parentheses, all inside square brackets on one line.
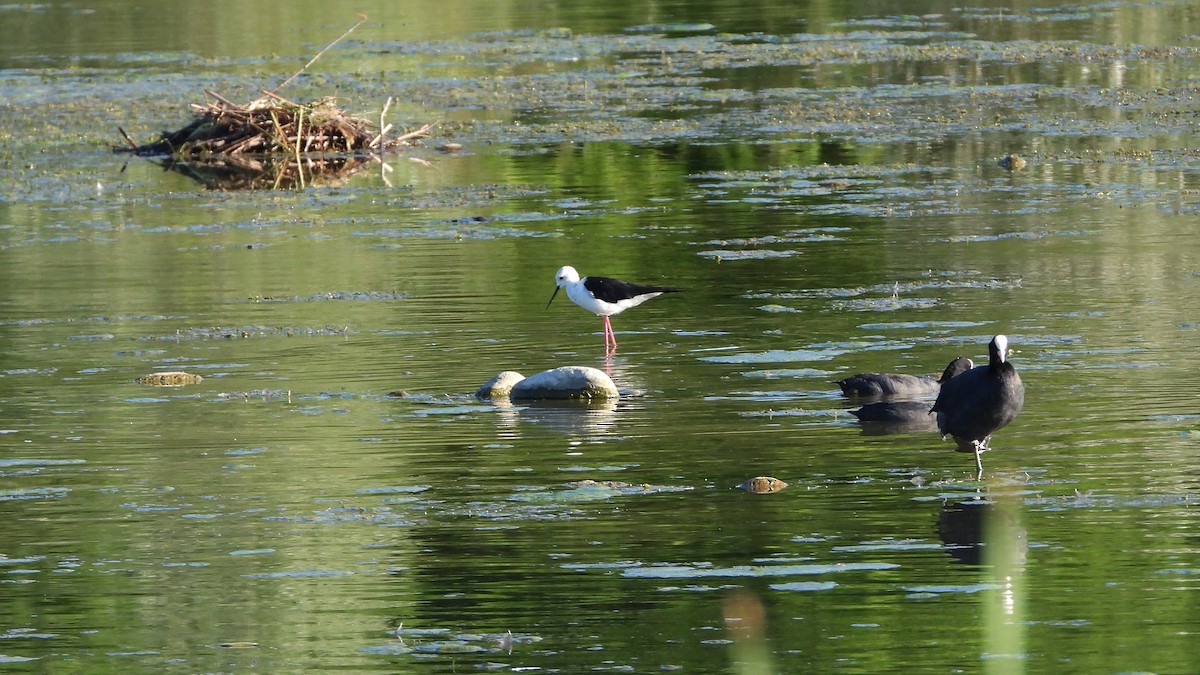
[(1005, 549)]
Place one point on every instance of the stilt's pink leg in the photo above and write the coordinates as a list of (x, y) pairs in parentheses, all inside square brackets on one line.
[(610, 339)]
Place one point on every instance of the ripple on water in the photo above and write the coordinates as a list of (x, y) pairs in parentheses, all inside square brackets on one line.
[(826, 351), (446, 641), (804, 236), (24, 461), (889, 545), (936, 590), (393, 489), (337, 296), (300, 574), (775, 373), (889, 304), (918, 325), (806, 586), (21, 561), (761, 396), (1017, 235), (746, 254), (702, 570), (933, 280), (230, 332), (591, 490), (33, 493)]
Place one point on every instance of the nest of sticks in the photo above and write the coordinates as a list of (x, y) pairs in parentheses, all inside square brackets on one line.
[(271, 125), (272, 142)]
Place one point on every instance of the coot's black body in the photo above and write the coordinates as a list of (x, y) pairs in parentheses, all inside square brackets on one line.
[(877, 385), (974, 405)]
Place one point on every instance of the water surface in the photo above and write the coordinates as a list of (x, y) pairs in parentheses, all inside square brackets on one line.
[(823, 181)]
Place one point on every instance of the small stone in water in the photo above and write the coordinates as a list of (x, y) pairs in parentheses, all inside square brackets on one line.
[(761, 485), (1012, 162), (174, 378)]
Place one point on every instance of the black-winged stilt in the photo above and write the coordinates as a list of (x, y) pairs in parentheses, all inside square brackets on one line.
[(974, 405), (604, 297)]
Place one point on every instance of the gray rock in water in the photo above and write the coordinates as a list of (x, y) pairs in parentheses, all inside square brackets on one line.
[(500, 385), (567, 382)]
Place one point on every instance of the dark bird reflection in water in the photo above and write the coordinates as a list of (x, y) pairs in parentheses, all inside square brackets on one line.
[(969, 526), (896, 417), (960, 526)]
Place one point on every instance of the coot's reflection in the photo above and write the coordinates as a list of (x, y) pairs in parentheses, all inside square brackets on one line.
[(968, 526)]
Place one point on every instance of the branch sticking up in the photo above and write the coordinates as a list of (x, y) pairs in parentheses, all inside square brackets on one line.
[(361, 19)]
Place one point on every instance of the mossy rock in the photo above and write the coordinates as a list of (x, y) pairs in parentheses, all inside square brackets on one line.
[(174, 378), (761, 485)]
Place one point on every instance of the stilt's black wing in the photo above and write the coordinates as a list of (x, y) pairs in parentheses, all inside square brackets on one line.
[(615, 290)]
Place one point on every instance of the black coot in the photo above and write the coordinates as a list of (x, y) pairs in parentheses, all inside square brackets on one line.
[(973, 405), (910, 411), (893, 416), (901, 386)]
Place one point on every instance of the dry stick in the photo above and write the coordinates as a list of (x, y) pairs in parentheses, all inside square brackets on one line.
[(279, 130), (378, 140), (299, 132), (412, 134), (130, 140), (384, 169), (277, 97), (221, 98), (383, 129), (361, 19)]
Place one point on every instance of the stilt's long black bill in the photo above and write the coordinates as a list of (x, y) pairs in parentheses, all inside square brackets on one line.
[(552, 296)]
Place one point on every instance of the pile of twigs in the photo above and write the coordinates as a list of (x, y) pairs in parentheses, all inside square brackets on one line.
[(271, 141), (271, 125)]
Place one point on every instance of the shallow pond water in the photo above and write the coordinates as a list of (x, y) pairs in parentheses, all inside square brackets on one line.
[(822, 179)]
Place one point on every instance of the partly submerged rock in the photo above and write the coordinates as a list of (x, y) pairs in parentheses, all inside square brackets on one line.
[(174, 378), (761, 485), (500, 385), (567, 382), (1012, 162)]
